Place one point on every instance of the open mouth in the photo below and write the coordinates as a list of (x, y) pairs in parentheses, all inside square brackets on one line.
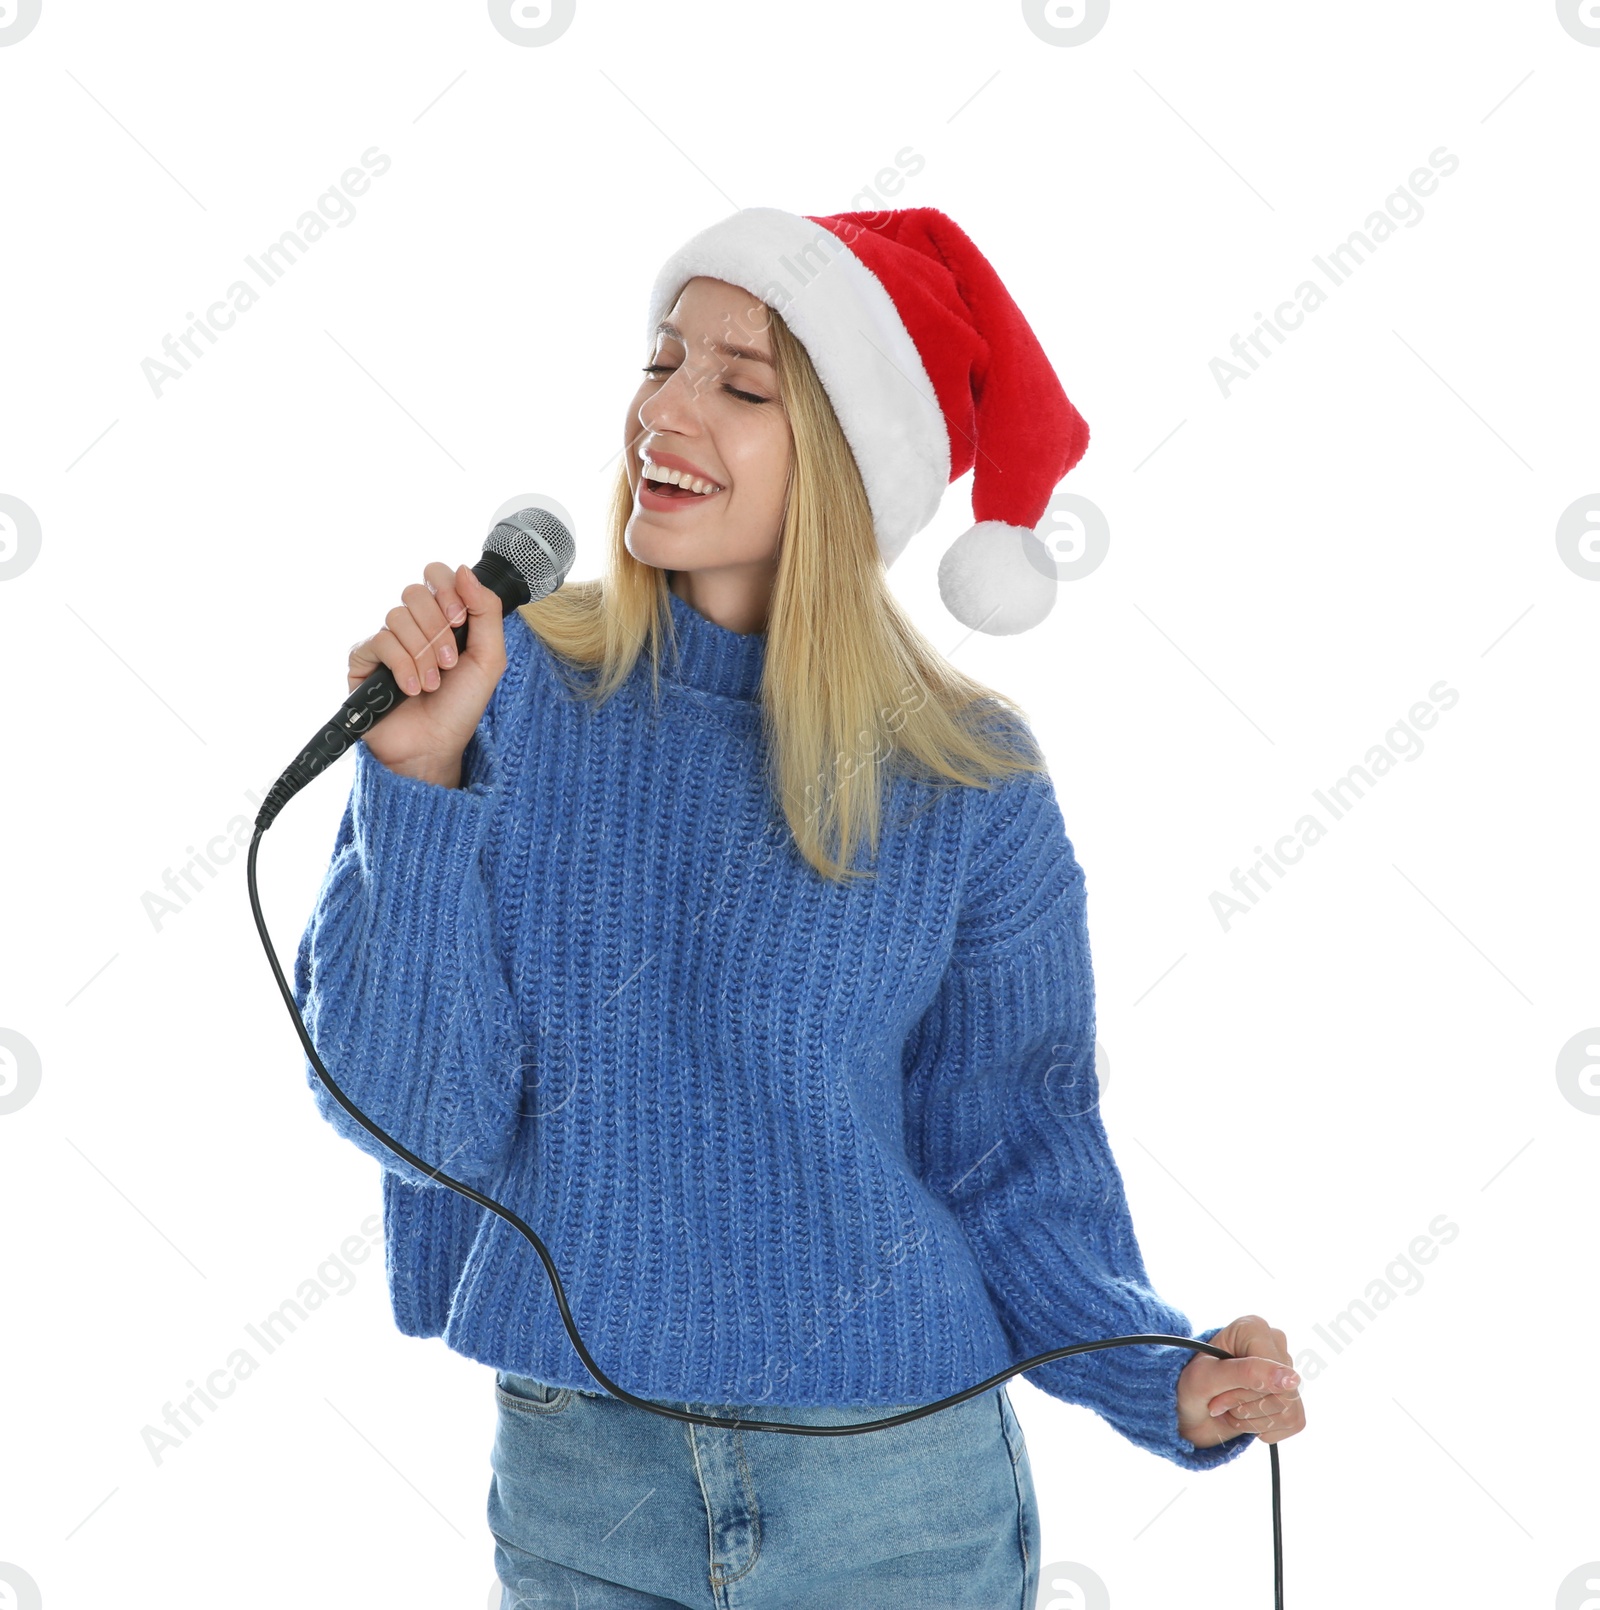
[(678, 484), (667, 490)]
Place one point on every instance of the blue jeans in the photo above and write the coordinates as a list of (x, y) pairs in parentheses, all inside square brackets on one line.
[(598, 1505)]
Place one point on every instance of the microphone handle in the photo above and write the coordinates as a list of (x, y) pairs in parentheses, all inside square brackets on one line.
[(377, 696)]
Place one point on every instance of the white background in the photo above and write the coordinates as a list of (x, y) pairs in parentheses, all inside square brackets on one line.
[(1292, 1098)]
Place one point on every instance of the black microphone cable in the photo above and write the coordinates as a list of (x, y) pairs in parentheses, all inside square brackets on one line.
[(376, 694), (517, 1223)]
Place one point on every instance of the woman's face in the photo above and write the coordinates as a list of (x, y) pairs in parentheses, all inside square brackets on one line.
[(716, 410)]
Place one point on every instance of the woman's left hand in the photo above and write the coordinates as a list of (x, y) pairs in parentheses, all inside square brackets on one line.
[(1256, 1390)]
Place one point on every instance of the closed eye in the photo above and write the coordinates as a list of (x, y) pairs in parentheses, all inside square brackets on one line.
[(663, 368)]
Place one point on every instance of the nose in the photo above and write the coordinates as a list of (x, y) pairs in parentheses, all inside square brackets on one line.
[(674, 406)]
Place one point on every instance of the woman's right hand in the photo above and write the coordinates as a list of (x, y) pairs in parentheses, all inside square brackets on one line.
[(426, 735)]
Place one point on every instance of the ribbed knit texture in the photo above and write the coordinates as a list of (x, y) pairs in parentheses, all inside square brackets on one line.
[(789, 1142)]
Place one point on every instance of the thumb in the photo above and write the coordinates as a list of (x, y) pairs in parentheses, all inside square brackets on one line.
[(486, 642)]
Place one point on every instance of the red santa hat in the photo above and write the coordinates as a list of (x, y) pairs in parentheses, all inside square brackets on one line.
[(932, 371)]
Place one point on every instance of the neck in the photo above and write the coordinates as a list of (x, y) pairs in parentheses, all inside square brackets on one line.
[(736, 598), (710, 657)]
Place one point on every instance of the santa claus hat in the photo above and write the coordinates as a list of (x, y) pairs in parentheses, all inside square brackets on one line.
[(932, 371)]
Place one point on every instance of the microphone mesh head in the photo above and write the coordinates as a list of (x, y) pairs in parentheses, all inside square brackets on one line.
[(538, 545)]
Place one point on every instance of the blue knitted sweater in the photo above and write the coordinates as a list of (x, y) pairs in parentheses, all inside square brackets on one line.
[(789, 1142)]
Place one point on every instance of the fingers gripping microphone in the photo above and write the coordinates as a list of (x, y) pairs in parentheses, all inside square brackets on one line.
[(526, 557)]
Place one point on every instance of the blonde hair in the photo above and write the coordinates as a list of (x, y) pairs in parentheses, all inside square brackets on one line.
[(851, 691)]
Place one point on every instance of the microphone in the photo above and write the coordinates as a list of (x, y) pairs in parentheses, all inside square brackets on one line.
[(525, 558)]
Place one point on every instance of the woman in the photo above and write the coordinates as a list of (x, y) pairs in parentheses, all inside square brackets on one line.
[(709, 919)]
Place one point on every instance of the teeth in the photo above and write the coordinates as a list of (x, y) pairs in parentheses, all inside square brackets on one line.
[(654, 472)]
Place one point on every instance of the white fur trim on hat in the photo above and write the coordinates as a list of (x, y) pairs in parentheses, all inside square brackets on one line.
[(856, 340)]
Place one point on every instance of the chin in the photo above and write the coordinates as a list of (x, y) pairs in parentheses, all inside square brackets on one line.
[(654, 542), (650, 545)]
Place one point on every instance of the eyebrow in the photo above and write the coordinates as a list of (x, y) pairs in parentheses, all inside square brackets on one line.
[(726, 347)]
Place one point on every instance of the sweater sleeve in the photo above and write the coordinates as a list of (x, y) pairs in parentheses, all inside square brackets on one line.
[(1004, 1125), (397, 977)]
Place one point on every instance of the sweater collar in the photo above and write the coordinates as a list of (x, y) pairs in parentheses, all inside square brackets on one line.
[(709, 657)]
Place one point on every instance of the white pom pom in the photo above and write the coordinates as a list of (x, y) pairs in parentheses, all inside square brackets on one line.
[(998, 578)]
